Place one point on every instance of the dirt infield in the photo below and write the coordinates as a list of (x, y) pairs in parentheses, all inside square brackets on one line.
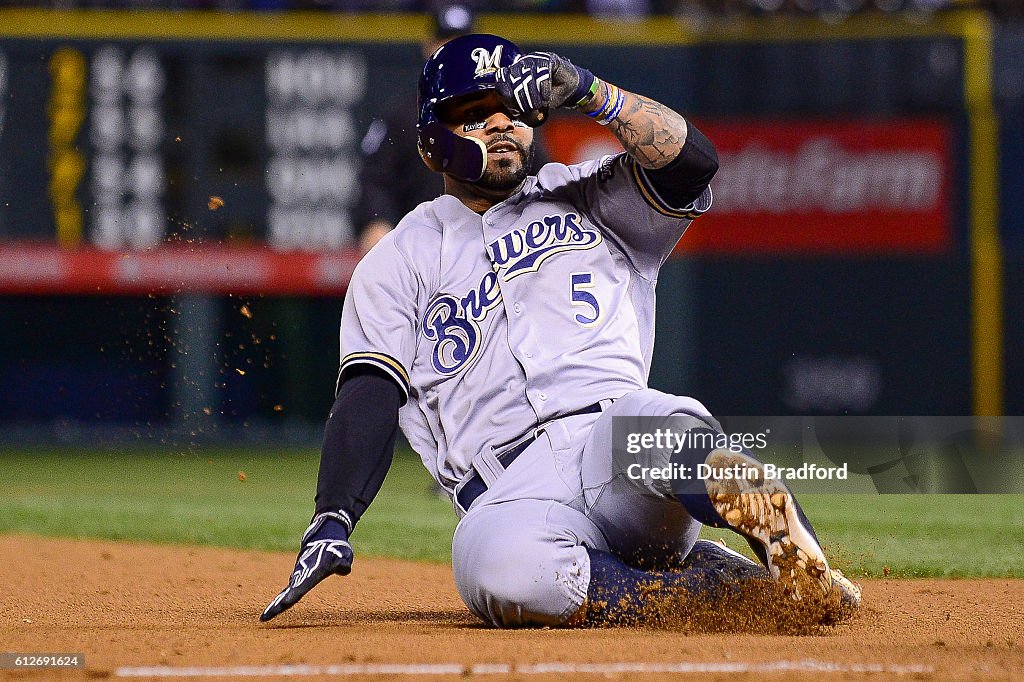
[(161, 611)]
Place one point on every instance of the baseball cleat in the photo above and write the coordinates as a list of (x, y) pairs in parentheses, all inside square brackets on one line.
[(764, 510), (729, 565), (847, 590)]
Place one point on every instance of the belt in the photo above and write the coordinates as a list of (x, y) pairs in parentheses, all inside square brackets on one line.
[(474, 486)]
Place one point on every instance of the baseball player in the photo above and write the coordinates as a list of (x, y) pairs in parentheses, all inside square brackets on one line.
[(504, 325)]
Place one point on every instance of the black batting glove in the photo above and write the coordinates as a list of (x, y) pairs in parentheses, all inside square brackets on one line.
[(540, 81), (325, 551)]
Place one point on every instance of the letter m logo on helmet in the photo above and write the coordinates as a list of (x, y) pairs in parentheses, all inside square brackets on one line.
[(486, 62)]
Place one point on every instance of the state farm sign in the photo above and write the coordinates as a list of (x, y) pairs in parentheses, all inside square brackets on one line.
[(817, 187), (822, 176)]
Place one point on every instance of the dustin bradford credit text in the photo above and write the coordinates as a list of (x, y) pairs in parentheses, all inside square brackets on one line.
[(679, 472)]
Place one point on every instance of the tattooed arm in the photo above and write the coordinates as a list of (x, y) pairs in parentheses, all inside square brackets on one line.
[(649, 131), (678, 160), (653, 135)]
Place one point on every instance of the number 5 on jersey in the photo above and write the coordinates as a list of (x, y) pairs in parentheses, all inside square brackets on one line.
[(581, 281)]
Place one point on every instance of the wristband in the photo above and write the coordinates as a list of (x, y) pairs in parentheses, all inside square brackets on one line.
[(318, 520), (611, 107), (585, 91), (617, 100), (596, 114)]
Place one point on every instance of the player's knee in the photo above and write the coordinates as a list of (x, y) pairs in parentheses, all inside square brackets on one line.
[(686, 405), (513, 570), (507, 593)]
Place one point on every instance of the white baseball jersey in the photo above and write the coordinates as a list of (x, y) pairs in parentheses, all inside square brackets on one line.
[(494, 323)]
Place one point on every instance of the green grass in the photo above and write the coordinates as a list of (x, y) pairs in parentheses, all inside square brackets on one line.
[(916, 535), (197, 498)]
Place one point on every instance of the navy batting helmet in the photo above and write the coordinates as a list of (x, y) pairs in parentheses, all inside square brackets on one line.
[(459, 67)]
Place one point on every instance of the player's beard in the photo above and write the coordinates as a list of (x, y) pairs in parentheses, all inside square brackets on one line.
[(508, 172)]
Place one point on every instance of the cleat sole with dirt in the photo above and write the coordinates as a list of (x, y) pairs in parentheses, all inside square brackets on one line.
[(764, 509)]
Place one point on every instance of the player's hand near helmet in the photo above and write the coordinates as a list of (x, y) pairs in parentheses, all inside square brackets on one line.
[(541, 81), (325, 551)]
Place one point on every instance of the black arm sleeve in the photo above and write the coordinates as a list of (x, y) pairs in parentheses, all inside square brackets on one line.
[(687, 175), (359, 442)]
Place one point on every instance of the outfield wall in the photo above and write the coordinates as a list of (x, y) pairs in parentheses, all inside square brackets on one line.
[(883, 300)]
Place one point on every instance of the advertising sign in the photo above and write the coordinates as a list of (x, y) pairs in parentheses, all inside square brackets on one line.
[(800, 187)]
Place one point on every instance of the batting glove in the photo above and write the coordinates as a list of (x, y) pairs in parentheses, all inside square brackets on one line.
[(540, 81), (325, 551)]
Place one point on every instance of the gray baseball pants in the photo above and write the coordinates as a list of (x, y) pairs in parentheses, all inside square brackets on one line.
[(519, 554)]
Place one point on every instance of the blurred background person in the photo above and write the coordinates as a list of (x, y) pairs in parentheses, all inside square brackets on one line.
[(393, 179)]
